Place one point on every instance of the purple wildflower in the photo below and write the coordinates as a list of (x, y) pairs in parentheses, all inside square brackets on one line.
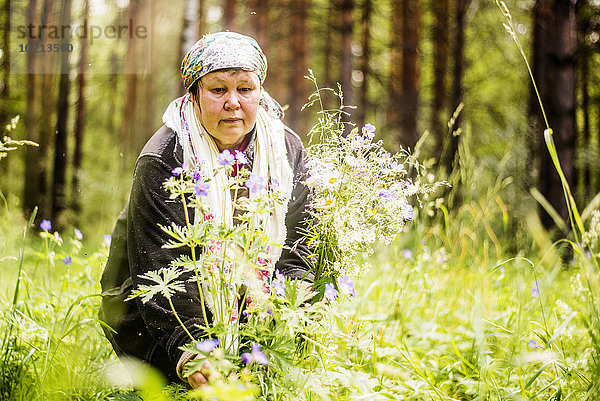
[(407, 254), (207, 346), (368, 130), (279, 284), (245, 313), (107, 239), (533, 344), (225, 158), (201, 189), (347, 286), (177, 171), (255, 183), (330, 292), (67, 260), (46, 225), (535, 290), (408, 212), (256, 355), (240, 157), (78, 234), (386, 193), (197, 174)]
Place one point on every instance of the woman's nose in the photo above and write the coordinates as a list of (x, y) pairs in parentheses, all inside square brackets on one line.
[(232, 101)]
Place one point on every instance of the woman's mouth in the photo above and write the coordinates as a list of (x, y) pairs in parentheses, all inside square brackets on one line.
[(232, 120)]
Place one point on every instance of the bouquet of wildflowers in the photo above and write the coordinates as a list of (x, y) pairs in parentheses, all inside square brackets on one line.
[(361, 193), (262, 324)]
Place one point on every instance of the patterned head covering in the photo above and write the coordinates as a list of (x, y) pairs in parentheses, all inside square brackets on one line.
[(221, 50)]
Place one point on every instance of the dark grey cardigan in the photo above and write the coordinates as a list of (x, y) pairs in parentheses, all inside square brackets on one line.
[(150, 331)]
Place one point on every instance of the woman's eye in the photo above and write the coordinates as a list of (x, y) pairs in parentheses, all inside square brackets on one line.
[(218, 90), (245, 89)]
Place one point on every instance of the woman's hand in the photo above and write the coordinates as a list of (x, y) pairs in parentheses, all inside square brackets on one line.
[(200, 377)]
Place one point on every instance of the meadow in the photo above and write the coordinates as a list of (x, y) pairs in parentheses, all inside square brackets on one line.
[(458, 307)]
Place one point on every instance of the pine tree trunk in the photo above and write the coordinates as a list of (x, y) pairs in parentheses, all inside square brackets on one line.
[(201, 18), (47, 113), (189, 27), (131, 87), (363, 103), (298, 85), (4, 84), (439, 115), (60, 142), (458, 70), (229, 17), (258, 22), (328, 57), (32, 184), (411, 73), (346, 30), (555, 60), (395, 77), (80, 118), (585, 143)]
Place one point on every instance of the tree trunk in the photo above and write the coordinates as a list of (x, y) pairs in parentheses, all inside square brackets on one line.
[(363, 103), (347, 13), (555, 61), (395, 77), (47, 114), (586, 142), (298, 85), (411, 73), (80, 118), (258, 22), (31, 190), (201, 18), (441, 31), (458, 69), (60, 142), (131, 86), (189, 28), (328, 57), (229, 18), (4, 85)]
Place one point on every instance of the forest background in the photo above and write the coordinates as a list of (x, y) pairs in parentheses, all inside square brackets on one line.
[(473, 299), (406, 65)]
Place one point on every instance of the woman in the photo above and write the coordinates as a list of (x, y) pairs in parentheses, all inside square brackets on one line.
[(225, 108)]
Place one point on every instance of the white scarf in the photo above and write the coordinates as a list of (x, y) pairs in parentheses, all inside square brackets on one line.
[(270, 162)]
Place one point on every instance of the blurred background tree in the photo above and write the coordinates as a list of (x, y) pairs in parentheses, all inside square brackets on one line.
[(406, 64)]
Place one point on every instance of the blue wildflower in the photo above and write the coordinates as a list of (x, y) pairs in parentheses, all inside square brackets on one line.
[(407, 254), (386, 193), (368, 130), (225, 158), (240, 157), (330, 292), (201, 189), (78, 234), (347, 286), (408, 212), (67, 260), (256, 355), (533, 344), (46, 225), (177, 171), (279, 284), (245, 313), (197, 174), (255, 183), (207, 346), (535, 290)]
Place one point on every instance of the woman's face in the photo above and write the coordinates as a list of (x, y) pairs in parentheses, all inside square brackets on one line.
[(228, 103)]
